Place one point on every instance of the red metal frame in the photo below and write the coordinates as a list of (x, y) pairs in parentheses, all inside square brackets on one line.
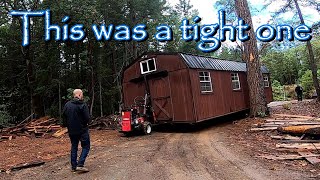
[(126, 121)]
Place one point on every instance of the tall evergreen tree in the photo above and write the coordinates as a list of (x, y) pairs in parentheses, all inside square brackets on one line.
[(258, 105), (312, 62)]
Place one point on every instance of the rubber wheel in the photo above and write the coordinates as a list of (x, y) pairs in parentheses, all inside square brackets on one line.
[(126, 134), (147, 129)]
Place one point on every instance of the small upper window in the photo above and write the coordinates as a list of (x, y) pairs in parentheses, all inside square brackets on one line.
[(205, 82), (266, 81), (235, 81), (148, 66)]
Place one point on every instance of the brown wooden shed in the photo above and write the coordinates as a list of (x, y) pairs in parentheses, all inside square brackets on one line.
[(187, 88)]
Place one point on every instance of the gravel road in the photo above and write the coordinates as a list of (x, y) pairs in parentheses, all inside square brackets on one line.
[(199, 154)]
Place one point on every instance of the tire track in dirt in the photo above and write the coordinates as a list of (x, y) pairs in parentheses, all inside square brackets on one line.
[(180, 158), (153, 160), (216, 162), (166, 157), (233, 163), (191, 160)]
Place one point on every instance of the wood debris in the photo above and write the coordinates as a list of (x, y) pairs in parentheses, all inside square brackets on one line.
[(298, 129), (289, 116), (34, 127), (60, 132), (108, 122), (27, 165), (311, 146), (309, 156), (289, 157), (7, 137), (263, 129), (285, 137), (301, 141), (299, 134)]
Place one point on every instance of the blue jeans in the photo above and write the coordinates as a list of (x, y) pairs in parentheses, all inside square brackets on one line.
[(85, 144)]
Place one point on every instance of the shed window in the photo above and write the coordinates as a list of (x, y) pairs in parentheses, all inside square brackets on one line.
[(235, 81), (148, 66), (205, 82), (266, 81)]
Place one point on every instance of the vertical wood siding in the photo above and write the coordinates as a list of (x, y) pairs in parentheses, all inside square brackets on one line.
[(179, 92)]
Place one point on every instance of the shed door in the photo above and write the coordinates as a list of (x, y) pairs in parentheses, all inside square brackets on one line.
[(161, 99)]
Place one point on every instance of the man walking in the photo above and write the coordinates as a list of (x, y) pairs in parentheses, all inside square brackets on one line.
[(76, 118), (299, 92)]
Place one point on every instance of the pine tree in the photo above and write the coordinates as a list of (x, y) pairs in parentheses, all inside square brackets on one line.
[(258, 105)]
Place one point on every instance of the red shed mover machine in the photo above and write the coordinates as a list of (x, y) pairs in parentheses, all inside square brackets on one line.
[(183, 88)]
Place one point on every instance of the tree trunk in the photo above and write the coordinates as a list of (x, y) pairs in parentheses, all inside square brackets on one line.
[(313, 65), (100, 97), (92, 91), (25, 52), (117, 74), (90, 59), (258, 105), (133, 18), (60, 112), (302, 129), (77, 63)]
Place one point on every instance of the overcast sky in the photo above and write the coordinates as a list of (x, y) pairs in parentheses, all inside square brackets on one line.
[(208, 12)]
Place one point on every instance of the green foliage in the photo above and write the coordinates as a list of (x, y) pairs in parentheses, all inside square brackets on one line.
[(262, 114), (277, 90), (44, 71), (53, 111), (5, 118), (183, 9), (307, 83), (283, 92), (291, 67), (229, 54), (283, 65), (32, 78)]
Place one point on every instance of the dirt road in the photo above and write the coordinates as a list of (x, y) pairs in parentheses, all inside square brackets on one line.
[(205, 153)]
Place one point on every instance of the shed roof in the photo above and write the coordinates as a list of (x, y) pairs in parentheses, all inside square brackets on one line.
[(201, 62)]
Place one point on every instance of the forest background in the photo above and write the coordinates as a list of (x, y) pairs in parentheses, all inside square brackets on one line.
[(40, 78)]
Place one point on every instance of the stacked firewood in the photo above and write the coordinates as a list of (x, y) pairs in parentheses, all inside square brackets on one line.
[(298, 134), (33, 127), (110, 122)]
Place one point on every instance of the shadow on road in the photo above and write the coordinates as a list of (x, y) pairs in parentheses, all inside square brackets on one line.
[(189, 128)]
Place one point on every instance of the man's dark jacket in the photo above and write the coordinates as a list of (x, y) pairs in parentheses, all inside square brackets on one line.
[(76, 116), (299, 90)]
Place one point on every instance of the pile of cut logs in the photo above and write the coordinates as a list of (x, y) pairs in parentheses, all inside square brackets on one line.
[(33, 127), (107, 122), (299, 134)]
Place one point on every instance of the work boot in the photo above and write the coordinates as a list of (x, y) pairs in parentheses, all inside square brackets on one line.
[(73, 170), (82, 169)]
